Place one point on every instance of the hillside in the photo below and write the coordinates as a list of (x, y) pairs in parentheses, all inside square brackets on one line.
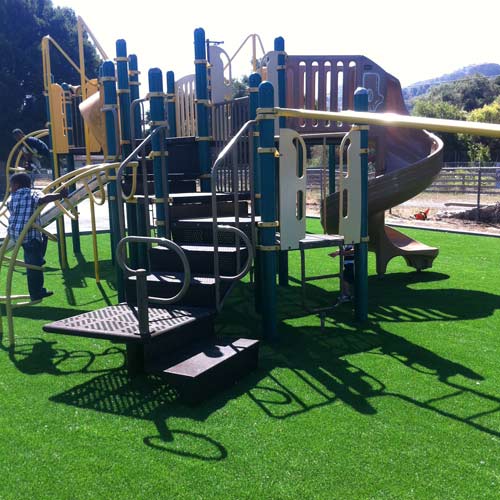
[(418, 88)]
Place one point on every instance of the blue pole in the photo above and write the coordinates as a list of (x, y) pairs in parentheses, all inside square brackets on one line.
[(134, 93), (172, 124), (70, 164), (202, 106), (157, 110), (108, 81), (361, 249), (254, 81), (267, 232), (125, 144), (279, 46)]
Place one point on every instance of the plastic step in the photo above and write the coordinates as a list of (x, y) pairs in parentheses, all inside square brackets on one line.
[(208, 367), (200, 257)]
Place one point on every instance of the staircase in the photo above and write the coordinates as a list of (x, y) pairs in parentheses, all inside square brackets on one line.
[(175, 339)]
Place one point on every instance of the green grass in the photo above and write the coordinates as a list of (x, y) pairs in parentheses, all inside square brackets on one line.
[(406, 406)]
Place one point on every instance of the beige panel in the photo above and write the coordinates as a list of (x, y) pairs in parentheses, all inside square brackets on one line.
[(350, 182), (59, 127), (292, 216)]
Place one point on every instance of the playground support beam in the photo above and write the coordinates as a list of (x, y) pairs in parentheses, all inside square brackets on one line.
[(361, 249), (395, 120), (279, 47), (253, 82), (171, 110), (160, 166), (70, 163), (202, 106), (133, 72), (266, 250), (123, 92), (111, 154)]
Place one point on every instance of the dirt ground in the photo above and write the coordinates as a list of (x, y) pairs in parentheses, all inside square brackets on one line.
[(444, 211)]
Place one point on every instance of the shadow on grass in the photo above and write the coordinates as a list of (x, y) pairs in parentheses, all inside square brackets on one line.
[(34, 356), (307, 369), (149, 398), (76, 277)]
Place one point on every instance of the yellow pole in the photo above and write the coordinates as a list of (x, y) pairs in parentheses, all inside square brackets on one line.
[(391, 120), (94, 242), (83, 86)]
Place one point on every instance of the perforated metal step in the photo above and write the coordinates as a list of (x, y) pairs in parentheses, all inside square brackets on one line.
[(119, 323)]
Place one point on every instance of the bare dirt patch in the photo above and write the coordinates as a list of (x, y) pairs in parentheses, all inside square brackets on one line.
[(444, 212)]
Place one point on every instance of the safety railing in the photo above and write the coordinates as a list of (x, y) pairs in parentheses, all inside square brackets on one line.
[(93, 178), (121, 195), (230, 148), (142, 298), (12, 166)]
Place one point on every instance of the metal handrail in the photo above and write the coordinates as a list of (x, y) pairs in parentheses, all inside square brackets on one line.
[(133, 105), (141, 277), (119, 176), (215, 228)]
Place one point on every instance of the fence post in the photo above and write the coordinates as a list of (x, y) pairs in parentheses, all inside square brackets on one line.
[(478, 192)]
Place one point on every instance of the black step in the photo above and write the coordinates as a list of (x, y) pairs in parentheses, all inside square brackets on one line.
[(199, 231), (201, 259), (203, 210), (201, 292), (208, 367), (198, 197)]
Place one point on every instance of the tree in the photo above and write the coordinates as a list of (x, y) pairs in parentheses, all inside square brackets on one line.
[(455, 146), (23, 23), (467, 93), (485, 148)]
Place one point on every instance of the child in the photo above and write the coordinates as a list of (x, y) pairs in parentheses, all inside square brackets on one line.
[(347, 277), (23, 203), (34, 151)]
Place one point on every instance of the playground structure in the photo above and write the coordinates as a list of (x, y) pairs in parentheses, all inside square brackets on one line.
[(192, 226)]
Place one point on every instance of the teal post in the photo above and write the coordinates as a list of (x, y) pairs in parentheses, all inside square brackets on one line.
[(108, 81), (279, 46), (133, 72), (125, 143), (331, 169), (70, 163), (157, 110), (361, 249), (171, 110), (254, 81), (266, 250), (202, 106)]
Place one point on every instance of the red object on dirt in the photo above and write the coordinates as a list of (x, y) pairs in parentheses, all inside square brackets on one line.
[(422, 215)]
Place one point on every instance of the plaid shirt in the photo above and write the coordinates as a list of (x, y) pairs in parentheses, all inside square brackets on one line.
[(22, 205)]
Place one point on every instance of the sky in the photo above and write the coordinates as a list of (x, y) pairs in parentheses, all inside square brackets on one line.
[(413, 40)]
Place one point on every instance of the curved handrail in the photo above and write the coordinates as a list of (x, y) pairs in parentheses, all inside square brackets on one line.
[(218, 162), (119, 176), (15, 168), (55, 186), (121, 257), (248, 243)]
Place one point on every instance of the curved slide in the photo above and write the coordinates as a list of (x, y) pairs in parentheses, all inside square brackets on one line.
[(407, 163)]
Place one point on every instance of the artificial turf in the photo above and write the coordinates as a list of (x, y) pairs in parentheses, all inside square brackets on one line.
[(404, 406)]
